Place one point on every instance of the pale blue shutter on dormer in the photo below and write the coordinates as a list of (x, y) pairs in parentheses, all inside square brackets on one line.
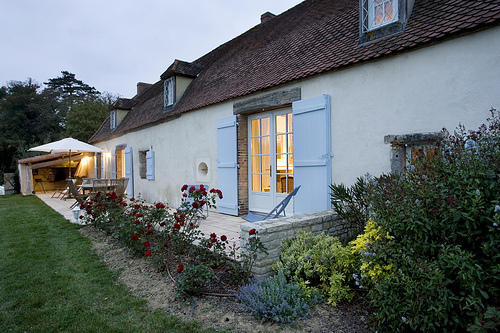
[(227, 165), (150, 165), (129, 171), (312, 154)]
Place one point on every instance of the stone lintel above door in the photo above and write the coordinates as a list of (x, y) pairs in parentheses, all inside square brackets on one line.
[(267, 101)]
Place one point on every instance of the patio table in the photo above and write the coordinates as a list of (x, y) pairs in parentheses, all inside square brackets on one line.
[(91, 188)]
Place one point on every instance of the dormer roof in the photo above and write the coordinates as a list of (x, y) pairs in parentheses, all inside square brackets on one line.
[(182, 68), (123, 104)]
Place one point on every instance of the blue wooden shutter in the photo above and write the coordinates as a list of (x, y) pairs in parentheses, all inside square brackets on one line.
[(150, 165), (96, 164), (227, 165), (103, 161), (129, 172), (312, 154), (113, 165)]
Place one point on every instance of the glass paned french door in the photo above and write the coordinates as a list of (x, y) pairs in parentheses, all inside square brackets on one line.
[(284, 153), (270, 159), (260, 154)]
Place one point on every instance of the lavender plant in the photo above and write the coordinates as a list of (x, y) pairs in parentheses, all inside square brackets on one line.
[(275, 299)]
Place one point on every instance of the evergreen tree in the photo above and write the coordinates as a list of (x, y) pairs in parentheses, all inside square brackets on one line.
[(67, 91), (26, 119), (30, 116), (86, 117), (68, 86)]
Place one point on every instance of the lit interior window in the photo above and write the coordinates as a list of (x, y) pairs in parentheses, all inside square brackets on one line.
[(381, 13)]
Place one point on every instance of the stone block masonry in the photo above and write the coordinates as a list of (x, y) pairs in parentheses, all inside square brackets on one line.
[(273, 232)]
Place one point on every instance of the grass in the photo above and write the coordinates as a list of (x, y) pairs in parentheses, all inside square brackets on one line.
[(51, 281)]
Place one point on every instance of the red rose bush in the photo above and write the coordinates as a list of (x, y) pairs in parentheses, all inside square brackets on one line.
[(170, 237)]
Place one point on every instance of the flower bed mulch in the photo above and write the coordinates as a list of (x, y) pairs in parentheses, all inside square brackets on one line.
[(143, 279)]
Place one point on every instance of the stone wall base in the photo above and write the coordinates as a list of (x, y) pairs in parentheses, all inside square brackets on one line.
[(273, 232)]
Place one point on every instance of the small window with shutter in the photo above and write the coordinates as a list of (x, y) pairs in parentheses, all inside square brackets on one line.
[(150, 165)]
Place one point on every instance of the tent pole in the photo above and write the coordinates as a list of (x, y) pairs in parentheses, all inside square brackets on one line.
[(69, 163)]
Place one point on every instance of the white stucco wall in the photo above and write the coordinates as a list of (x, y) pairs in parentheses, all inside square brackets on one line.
[(179, 145), (419, 91)]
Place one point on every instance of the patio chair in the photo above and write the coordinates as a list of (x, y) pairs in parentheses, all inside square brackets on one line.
[(63, 194), (99, 185), (113, 183), (58, 193), (80, 198), (280, 208), (39, 181), (87, 181), (121, 186)]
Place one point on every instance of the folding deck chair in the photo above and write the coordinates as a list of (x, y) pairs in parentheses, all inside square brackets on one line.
[(280, 208), (121, 186), (80, 198)]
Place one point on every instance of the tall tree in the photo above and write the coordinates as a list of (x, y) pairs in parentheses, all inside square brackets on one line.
[(26, 119), (68, 86), (67, 91), (86, 117), (30, 116)]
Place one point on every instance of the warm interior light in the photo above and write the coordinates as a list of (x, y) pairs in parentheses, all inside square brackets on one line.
[(83, 167)]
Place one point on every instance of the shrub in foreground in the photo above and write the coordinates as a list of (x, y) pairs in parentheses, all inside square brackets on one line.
[(352, 204), (443, 216), (193, 279), (319, 262), (275, 299)]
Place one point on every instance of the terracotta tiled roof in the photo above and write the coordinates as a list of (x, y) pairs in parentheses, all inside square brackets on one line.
[(313, 37)]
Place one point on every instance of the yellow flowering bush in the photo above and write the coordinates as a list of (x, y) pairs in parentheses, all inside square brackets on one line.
[(365, 246)]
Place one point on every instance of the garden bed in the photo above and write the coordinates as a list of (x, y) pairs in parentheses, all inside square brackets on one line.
[(144, 280)]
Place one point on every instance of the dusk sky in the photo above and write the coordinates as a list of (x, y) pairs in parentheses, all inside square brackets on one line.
[(111, 44)]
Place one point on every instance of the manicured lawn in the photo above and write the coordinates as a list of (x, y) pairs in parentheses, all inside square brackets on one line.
[(50, 280)]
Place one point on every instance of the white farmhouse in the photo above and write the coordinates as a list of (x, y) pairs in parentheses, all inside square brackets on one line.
[(316, 95)]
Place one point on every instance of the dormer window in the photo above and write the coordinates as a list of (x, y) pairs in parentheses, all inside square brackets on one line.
[(112, 119), (382, 18), (176, 80), (381, 13), (168, 92)]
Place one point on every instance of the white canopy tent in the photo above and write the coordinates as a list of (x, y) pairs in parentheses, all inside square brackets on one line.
[(68, 145), (59, 151)]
